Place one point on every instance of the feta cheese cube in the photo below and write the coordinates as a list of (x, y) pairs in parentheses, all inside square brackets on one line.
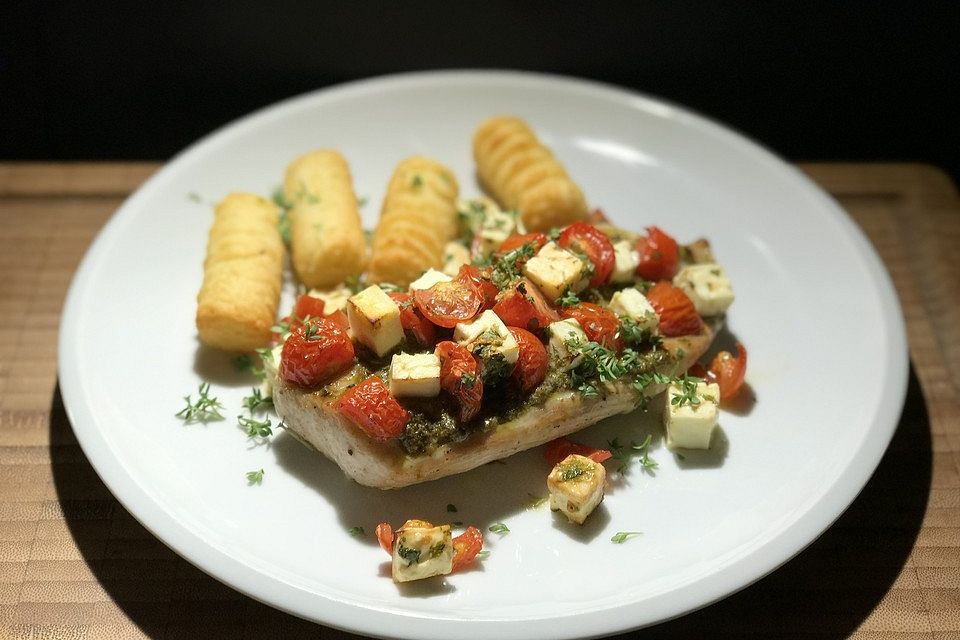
[(626, 260), (375, 320), (420, 552), (428, 279), (334, 299), (690, 425), (497, 226), (633, 304), (562, 332), (416, 375), (555, 271), (708, 286), (455, 255), (488, 330), (576, 487)]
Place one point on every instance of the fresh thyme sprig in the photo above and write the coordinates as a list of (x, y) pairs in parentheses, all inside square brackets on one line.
[(500, 528), (205, 409), (625, 455), (688, 391), (256, 401), (255, 427), (621, 536), (568, 299), (507, 269), (255, 477)]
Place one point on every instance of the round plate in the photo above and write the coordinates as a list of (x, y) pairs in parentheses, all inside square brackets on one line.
[(828, 386)]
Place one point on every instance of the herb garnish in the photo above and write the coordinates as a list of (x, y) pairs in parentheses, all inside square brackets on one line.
[(451, 508), (417, 181), (507, 269), (255, 427), (243, 362), (412, 556), (621, 536), (625, 454), (356, 532), (568, 299), (536, 501), (688, 391), (255, 477), (204, 409), (256, 400), (500, 528)]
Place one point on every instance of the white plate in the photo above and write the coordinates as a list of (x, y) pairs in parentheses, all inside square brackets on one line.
[(815, 308)]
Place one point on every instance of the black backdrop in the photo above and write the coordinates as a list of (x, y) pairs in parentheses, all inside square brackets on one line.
[(811, 80)]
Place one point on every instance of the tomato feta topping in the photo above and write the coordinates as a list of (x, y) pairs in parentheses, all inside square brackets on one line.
[(481, 280), (524, 306), (308, 306), (460, 377), (601, 325), (728, 371), (678, 316), (557, 450), (370, 406), (531, 367), (518, 240), (659, 255), (414, 324), (315, 353), (447, 303), (584, 238)]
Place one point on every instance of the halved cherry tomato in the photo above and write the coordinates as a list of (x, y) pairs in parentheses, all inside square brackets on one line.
[(466, 546), (340, 319), (413, 321), (558, 449), (447, 303), (697, 370), (586, 238), (601, 325), (597, 216), (308, 306), (315, 353), (659, 255), (728, 372), (480, 278), (531, 367), (678, 316), (370, 406), (524, 306), (385, 537), (517, 240), (460, 377)]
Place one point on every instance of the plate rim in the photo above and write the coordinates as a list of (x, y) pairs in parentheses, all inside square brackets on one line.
[(341, 614)]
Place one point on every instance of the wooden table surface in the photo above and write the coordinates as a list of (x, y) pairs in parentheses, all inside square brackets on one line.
[(74, 564)]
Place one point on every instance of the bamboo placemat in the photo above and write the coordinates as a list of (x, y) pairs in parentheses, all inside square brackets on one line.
[(74, 564)]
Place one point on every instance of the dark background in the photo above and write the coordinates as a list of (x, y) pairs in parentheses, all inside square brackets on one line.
[(810, 80)]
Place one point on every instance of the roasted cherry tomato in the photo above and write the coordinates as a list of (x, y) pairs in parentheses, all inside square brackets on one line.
[(315, 353), (385, 537), (308, 306), (413, 322), (340, 319), (697, 370), (466, 546), (480, 278), (728, 372), (601, 325), (659, 255), (447, 303), (581, 237), (370, 406), (460, 377), (524, 306), (557, 450), (678, 316), (531, 367), (517, 240)]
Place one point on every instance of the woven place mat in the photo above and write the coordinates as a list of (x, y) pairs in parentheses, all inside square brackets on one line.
[(74, 564)]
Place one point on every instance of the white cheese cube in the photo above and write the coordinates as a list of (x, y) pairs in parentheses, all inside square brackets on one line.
[(271, 366), (497, 226), (626, 260), (555, 271), (576, 487), (708, 286), (421, 553), (561, 333), (375, 320), (334, 299), (690, 425), (455, 255), (488, 329), (428, 279), (633, 304), (416, 375)]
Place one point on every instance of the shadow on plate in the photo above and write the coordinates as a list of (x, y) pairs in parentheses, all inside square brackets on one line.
[(826, 591)]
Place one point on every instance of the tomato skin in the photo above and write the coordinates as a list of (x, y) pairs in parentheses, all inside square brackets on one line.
[(525, 307), (659, 255), (517, 240), (728, 371), (466, 546), (447, 303), (586, 238), (385, 537), (601, 325), (531, 367), (480, 278), (315, 361), (557, 450), (370, 406), (413, 322), (678, 316), (455, 362), (339, 318), (308, 306)]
